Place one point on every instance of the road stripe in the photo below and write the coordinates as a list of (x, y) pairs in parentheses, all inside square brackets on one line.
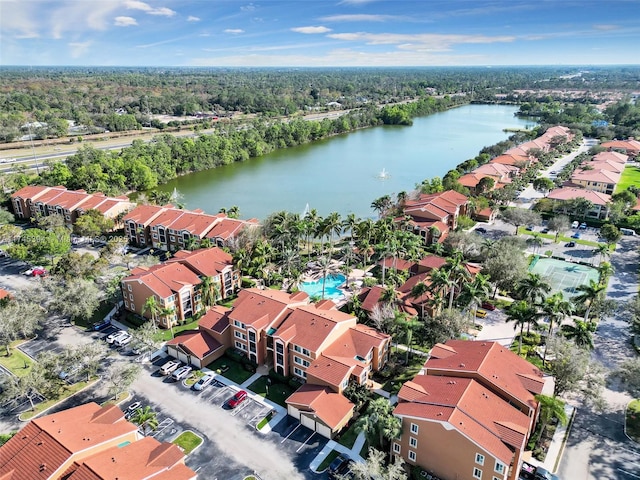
[(305, 442), (628, 473), (285, 438)]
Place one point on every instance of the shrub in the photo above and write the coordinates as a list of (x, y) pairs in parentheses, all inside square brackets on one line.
[(276, 377)]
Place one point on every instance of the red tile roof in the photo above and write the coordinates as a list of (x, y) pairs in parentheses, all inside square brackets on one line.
[(199, 343), (195, 223), (432, 262), (611, 156), (261, 308), (216, 319), (165, 279), (143, 214), (46, 443), (229, 227), (330, 408), (167, 217), (141, 460), (569, 193), (495, 364), (209, 262), (600, 176), (30, 191), (630, 145)]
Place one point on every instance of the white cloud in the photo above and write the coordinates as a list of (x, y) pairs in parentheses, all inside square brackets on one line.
[(191, 18), (18, 19), (363, 18), (234, 30), (248, 8), (125, 22), (606, 27), (145, 7), (78, 49), (77, 17), (430, 41), (356, 2), (311, 30)]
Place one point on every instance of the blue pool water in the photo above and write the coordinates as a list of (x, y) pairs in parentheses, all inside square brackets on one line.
[(331, 284)]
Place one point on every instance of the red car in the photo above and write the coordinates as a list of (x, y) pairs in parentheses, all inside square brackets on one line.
[(237, 399), (39, 272), (488, 306)]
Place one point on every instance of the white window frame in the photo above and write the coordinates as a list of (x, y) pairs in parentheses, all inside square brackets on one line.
[(413, 442), (299, 372), (396, 447), (479, 459), (500, 467), (477, 473), (412, 456), (414, 428)]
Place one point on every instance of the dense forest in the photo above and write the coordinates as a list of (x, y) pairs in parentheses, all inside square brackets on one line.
[(119, 99)]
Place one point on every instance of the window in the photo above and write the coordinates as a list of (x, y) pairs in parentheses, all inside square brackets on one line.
[(413, 442), (129, 287), (479, 459), (300, 361), (240, 335), (241, 346), (126, 304), (252, 336), (477, 473), (133, 307), (238, 324), (499, 467), (414, 428), (299, 372), (131, 296), (396, 447), (301, 350), (412, 455)]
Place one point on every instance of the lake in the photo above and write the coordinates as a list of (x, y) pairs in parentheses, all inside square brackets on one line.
[(343, 173)]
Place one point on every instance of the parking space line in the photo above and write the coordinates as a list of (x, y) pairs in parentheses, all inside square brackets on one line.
[(239, 409), (285, 438), (167, 422), (305, 442)]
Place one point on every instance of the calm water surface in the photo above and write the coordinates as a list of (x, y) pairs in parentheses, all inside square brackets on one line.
[(342, 174)]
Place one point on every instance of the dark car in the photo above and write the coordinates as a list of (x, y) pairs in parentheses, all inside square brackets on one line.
[(530, 228), (545, 230), (481, 230), (340, 466), (237, 399), (488, 306), (99, 326), (570, 244)]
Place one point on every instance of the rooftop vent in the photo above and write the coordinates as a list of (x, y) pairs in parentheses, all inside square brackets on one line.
[(462, 365), (43, 467)]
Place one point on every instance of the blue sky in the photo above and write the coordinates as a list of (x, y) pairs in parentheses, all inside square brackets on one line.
[(319, 32)]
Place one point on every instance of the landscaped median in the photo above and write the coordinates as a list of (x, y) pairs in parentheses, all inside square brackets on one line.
[(188, 441), (62, 394)]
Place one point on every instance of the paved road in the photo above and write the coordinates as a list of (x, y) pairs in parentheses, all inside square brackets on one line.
[(597, 447)]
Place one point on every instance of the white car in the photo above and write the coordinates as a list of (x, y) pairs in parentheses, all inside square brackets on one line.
[(181, 373), (123, 340), (169, 367), (115, 336), (204, 382), (30, 270)]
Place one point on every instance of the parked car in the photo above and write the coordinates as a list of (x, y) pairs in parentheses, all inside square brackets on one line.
[(66, 374), (530, 228), (583, 226), (481, 313), (576, 235), (115, 335), (553, 172), (237, 399), (29, 271), (131, 409), (123, 340), (340, 467), (39, 272), (575, 224), (570, 244), (204, 382), (181, 373), (169, 367), (481, 230), (545, 230), (3, 254), (99, 326), (488, 306)]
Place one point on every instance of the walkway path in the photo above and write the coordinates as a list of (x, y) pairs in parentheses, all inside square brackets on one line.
[(353, 452)]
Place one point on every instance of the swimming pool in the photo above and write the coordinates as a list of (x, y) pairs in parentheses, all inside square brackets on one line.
[(331, 284), (563, 276)]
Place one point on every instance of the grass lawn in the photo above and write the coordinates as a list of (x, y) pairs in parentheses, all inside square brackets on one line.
[(103, 309), (188, 441), (630, 176), (348, 437), (165, 335), (327, 461), (278, 392), (18, 363), (65, 392), (632, 420), (236, 371), (406, 373)]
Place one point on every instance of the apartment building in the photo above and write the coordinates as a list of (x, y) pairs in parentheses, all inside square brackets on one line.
[(566, 197), (170, 228), (37, 200), (434, 215), (177, 285), (89, 442), (470, 412), (631, 146), (500, 173)]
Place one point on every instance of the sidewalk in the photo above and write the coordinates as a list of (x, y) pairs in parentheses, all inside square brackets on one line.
[(556, 448), (353, 452)]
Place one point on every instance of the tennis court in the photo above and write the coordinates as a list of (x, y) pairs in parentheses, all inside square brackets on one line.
[(563, 276)]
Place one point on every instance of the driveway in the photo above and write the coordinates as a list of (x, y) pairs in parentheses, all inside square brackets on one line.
[(230, 434), (597, 447)]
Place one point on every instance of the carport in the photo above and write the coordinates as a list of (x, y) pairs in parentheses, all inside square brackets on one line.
[(320, 409)]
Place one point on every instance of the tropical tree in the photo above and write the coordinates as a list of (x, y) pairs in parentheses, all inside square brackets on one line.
[(520, 216), (581, 332), (588, 295), (605, 270), (521, 313), (603, 251), (379, 424), (535, 241), (558, 224), (533, 288), (629, 373), (76, 299), (120, 376), (382, 204), (210, 291), (146, 419), (550, 408), (382, 316), (475, 292), (418, 291), (555, 308), (407, 326), (446, 325), (375, 467), (152, 306)]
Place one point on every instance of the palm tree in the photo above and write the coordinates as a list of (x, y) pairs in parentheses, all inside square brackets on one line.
[(603, 250), (550, 408), (474, 293), (381, 205), (418, 290), (152, 306), (533, 288), (605, 269), (441, 281), (581, 332), (521, 313), (589, 294), (379, 424), (556, 308), (207, 288), (536, 242), (146, 419)]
